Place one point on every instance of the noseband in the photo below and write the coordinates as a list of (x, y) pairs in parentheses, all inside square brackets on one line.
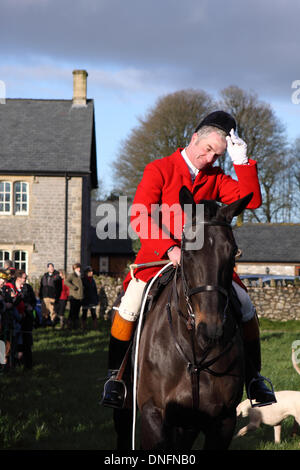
[(194, 368)]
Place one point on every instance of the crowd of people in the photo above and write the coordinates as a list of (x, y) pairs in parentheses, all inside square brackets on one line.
[(22, 309), (79, 288)]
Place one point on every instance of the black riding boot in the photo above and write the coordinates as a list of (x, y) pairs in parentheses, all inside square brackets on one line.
[(114, 392), (255, 385)]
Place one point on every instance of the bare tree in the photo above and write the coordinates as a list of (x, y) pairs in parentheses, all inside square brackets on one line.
[(266, 141), (295, 175), (100, 192), (167, 126)]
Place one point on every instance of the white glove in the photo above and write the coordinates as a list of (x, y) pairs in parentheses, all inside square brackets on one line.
[(237, 149)]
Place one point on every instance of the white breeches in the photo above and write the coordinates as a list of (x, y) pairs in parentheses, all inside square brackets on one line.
[(132, 300)]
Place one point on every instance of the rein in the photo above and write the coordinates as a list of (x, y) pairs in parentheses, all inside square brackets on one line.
[(194, 368)]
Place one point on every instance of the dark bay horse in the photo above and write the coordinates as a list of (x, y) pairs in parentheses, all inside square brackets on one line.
[(190, 362)]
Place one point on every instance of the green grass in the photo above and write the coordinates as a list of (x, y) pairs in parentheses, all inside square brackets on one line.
[(271, 325), (56, 405), (276, 344), (276, 365)]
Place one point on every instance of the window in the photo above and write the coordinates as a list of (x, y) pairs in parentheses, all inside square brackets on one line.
[(103, 264), (21, 198), (5, 197), (297, 270), (20, 260), (4, 256), (14, 198)]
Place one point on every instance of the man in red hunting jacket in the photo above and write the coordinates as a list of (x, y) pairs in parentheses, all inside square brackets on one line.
[(162, 180)]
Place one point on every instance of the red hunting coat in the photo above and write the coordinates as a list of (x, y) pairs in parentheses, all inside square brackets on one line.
[(161, 183)]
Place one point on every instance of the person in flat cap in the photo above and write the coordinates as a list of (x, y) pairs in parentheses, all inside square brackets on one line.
[(193, 167)]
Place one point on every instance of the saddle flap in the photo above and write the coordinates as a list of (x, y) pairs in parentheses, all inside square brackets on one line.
[(159, 285)]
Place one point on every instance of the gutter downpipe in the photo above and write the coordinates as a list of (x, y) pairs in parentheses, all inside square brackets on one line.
[(66, 221)]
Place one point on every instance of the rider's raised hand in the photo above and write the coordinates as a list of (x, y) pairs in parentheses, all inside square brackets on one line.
[(237, 149)]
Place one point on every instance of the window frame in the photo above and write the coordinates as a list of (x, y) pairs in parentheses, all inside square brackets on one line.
[(20, 213), (2, 261), (20, 261), (10, 200), (13, 198), (104, 263)]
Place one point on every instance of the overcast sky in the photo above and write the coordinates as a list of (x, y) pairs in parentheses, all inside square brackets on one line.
[(137, 50)]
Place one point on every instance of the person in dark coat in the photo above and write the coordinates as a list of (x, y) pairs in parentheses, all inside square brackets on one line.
[(24, 302), (103, 301), (50, 290), (28, 321), (6, 320), (90, 297)]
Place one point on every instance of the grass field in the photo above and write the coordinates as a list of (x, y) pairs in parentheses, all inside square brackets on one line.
[(55, 406)]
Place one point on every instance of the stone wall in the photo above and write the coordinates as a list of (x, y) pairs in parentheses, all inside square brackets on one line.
[(112, 286), (276, 303)]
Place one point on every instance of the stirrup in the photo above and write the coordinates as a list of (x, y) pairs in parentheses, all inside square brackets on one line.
[(272, 397), (114, 393)]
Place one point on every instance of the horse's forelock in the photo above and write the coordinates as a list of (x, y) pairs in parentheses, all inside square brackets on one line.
[(210, 208)]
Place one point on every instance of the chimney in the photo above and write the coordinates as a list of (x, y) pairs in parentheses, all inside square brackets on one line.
[(79, 87)]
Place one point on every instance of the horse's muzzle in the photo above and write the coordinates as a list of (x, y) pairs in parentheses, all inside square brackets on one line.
[(210, 331)]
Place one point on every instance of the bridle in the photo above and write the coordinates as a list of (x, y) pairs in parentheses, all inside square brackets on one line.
[(188, 293), (194, 367)]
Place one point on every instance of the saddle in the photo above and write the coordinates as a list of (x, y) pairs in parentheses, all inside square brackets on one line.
[(161, 282), (168, 275)]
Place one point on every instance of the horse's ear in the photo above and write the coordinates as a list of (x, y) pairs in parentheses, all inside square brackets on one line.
[(235, 208), (185, 197)]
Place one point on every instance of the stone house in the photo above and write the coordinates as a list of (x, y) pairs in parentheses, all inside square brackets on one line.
[(47, 171), (269, 249)]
